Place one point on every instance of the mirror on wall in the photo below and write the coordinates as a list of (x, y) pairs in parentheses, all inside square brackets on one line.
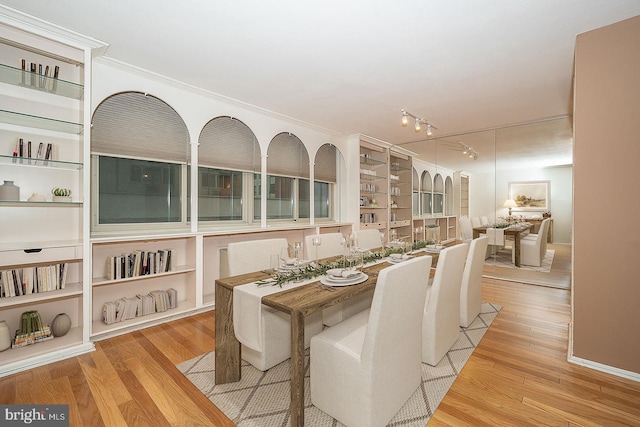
[(532, 152)]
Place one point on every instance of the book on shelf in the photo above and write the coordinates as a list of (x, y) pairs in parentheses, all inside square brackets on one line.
[(124, 308), (30, 280), (139, 263)]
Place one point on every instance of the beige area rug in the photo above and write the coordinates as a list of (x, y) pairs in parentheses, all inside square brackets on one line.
[(261, 399), (503, 259)]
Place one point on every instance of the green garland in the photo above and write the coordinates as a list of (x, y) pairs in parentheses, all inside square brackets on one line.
[(313, 270)]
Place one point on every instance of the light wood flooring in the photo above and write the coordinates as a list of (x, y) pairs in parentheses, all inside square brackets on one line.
[(518, 375)]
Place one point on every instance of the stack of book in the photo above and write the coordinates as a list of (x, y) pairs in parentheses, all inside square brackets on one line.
[(140, 305), (31, 331), (30, 280), (139, 263)]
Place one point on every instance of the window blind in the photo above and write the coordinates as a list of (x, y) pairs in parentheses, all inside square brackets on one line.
[(135, 124), (325, 164), (227, 143), (287, 156), (427, 185)]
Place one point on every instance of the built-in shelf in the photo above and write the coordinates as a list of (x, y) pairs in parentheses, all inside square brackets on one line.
[(27, 79), (27, 120), (39, 163), (70, 290), (179, 270)]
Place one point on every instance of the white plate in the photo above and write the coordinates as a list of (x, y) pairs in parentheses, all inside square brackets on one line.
[(286, 267), (399, 260), (336, 274), (354, 281)]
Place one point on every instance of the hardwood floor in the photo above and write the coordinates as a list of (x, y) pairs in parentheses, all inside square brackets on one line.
[(518, 375)]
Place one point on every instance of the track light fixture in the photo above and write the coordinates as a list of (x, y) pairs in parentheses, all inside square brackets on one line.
[(419, 122), (468, 151)]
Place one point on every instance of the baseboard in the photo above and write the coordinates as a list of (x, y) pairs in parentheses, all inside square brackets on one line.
[(634, 376)]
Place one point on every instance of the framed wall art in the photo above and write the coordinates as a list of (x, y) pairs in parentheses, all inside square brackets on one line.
[(530, 195)]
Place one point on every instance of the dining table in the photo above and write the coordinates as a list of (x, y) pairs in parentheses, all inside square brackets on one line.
[(299, 302), (516, 231)]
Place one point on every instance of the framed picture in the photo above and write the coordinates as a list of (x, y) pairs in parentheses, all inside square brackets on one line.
[(530, 195)]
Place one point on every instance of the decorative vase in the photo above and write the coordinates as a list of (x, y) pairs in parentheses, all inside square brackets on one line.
[(60, 325), (5, 336), (35, 197), (9, 191)]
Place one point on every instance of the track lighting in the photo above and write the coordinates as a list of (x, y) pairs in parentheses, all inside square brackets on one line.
[(419, 122), (468, 151)]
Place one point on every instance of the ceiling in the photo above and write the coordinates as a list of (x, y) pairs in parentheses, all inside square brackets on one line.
[(351, 66)]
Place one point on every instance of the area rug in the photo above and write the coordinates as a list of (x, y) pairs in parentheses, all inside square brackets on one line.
[(503, 259), (261, 399)]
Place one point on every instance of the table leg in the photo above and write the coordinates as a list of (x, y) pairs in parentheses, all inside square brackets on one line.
[(228, 357), (516, 247), (297, 369)]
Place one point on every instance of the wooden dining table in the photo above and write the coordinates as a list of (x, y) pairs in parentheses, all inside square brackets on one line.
[(516, 231), (298, 302)]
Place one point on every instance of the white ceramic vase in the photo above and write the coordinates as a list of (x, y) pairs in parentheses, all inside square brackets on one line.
[(5, 336), (9, 191)]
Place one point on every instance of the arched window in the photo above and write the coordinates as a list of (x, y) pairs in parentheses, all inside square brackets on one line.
[(448, 196), (140, 149), (287, 179), (438, 194), (228, 153), (415, 194), (326, 176), (426, 187)]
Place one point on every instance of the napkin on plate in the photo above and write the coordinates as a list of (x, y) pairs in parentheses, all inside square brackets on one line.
[(342, 272)]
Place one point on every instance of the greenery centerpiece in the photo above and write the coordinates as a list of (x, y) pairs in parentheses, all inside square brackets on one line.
[(313, 270)]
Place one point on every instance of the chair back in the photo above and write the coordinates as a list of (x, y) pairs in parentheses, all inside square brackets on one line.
[(466, 230), (331, 244), (544, 228), (471, 287), (475, 222), (484, 221), (496, 236), (393, 336), (368, 239), (440, 323), (253, 255)]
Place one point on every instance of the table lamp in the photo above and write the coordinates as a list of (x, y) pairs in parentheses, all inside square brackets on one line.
[(510, 203)]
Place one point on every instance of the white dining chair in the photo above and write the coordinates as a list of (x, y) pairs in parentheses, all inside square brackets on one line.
[(331, 245), (368, 239), (475, 222), (496, 242), (546, 223), (255, 255), (365, 369), (471, 286), (466, 230), (484, 221), (533, 250), (441, 319)]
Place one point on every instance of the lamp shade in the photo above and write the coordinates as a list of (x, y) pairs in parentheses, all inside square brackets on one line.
[(510, 203)]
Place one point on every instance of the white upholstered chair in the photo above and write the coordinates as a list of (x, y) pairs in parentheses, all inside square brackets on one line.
[(471, 287), (255, 255), (533, 250), (466, 230), (441, 320), (546, 223), (475, 222), (484, 221), (496, 241), (364, 369), (368, 239), (332, 244)]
